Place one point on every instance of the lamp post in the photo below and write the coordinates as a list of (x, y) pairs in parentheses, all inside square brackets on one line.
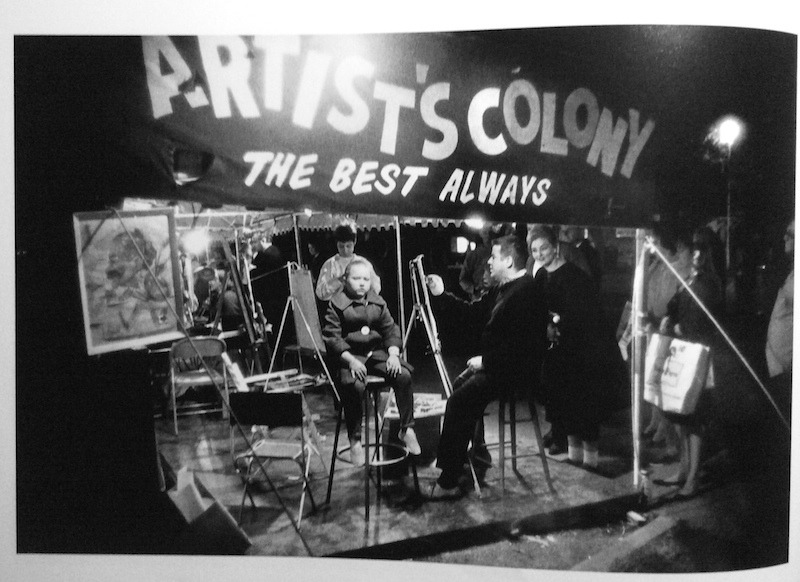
[(729, 129)]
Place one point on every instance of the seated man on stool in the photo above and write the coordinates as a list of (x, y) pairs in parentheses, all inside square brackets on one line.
[(514, 316)]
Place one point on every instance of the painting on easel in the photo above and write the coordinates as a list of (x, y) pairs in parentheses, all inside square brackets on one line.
[(129, 278)]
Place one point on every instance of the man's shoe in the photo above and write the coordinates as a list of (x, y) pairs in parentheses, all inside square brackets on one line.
[(439, 493), (557, 449), (409, 438), (547, 440)]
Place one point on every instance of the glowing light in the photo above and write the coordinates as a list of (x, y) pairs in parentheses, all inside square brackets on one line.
[(476, 222), (729, 131), (196, 241), (724, 135), (462, 244), (308, 212)]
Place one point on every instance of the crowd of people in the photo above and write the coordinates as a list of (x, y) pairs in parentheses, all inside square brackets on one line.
[(544, 334)]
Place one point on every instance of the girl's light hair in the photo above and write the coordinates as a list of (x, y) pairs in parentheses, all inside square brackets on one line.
[(356, 261)]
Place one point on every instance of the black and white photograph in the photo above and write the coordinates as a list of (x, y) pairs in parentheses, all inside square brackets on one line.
[(491, 298)]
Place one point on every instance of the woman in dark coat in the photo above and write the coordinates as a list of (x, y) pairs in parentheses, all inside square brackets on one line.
[(583, 368)]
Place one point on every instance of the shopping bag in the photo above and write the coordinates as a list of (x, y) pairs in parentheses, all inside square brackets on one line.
[(676, 372)]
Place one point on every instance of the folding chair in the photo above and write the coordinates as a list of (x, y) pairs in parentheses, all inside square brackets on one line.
[(268, 411), (195, 362)]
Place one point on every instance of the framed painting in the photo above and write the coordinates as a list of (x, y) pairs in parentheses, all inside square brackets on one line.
[(130, 278)]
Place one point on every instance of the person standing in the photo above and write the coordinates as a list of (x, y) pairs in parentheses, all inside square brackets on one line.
[(474, 277), (685, 319), (779, 332), (269, 279), (582, 371), (512, 342), (330, 280)]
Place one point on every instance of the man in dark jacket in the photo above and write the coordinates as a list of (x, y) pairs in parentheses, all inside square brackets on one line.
[(514, 317)]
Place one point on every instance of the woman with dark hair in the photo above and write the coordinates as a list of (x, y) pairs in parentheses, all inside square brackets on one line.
[(583, 368), (330, 280), (685, 319)]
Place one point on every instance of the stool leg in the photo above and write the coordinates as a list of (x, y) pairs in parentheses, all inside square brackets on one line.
[(333, 456), (501, 428), (366, 455), (538, 431), (512, 415), (378, 455)]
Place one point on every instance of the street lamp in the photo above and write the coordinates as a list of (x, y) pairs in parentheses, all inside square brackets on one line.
[(724, 135)]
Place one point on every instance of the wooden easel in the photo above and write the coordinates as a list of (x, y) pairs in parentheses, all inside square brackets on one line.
[(255, 343)]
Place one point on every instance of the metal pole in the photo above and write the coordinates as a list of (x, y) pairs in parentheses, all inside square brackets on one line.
[(297, 239), (637, 353), (400, 296), (726, 168)]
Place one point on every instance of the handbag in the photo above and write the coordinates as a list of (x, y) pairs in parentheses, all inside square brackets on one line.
[(676, 371)]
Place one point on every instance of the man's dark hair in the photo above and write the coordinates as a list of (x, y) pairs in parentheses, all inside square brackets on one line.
[(344, 233), (514, 247)]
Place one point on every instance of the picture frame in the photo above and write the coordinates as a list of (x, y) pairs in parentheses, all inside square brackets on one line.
[(130, 281)]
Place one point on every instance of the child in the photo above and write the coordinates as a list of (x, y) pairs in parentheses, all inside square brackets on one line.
[(361, 334), (329, 282)]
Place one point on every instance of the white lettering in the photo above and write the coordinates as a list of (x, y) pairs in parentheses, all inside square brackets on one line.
[(528, 182), (164, 87), (389, 174), (510, 192), (348, 71), (340, 180), (636, 142), (580, 138), (427, 109), (451, 188), (490, 186), (395, 98), (275, 49), (364, 178), (413, 173), (550, 143), (484, 100), (259, 161), (607, 141), (521, 89), (279, 169), (228, 80), (309, 93), (301, 176)]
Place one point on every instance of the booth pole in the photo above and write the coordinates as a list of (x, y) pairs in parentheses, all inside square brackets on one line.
[(637, 354), (297, 238), (400, 295)]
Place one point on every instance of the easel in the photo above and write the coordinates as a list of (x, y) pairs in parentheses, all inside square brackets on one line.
[(247, 311), (299, 276), (422, 311)]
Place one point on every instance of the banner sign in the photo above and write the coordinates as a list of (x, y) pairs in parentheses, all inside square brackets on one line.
[(411, 125)]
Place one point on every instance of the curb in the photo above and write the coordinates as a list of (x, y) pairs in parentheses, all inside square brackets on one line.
[(603, 561)]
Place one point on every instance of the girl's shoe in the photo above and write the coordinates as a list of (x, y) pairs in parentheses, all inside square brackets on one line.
[(356, 453), (409, 438)]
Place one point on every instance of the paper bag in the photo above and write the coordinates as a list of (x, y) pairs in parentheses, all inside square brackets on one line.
[(675, 373)]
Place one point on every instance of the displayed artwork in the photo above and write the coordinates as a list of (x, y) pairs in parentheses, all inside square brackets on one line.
[(129, 274)]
